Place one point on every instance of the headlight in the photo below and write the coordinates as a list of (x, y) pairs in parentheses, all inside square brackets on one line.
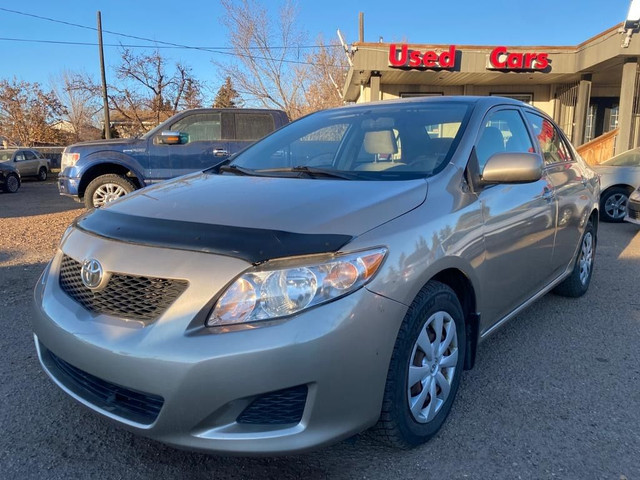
[(68, 160), (635, 196), (273, 293)]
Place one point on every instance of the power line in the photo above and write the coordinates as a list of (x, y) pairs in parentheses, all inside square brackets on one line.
[(166, 44)]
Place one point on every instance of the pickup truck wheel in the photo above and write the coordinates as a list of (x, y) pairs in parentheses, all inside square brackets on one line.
[(105, 189), (425, 368), (42, 174), (11, 183)]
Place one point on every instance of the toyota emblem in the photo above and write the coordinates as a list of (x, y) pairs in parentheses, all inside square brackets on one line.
[(91, 273)]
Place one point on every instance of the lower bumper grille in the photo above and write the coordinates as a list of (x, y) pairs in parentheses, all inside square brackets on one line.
[(124, 402), (276, 408), (633, 212)]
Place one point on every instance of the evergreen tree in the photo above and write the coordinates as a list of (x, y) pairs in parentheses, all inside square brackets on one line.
[(227, 96)]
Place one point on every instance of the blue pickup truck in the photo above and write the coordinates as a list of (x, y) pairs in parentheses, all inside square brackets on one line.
[(101, 171)]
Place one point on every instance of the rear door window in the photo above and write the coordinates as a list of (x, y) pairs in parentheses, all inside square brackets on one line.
[(253, 126), (29, 155)]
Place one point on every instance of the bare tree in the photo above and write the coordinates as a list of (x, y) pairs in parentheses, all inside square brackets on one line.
[(273, 76), (149, 85), (27, 113), (81, 100), (325, 76), (270, 66)]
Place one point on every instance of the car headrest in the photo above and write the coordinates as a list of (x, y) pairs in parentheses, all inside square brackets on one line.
[(382, 142)]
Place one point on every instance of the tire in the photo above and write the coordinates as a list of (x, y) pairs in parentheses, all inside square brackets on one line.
[(11, 183), (42, 174), (105, 189), (613, 204), (577, 284), (409, 416)]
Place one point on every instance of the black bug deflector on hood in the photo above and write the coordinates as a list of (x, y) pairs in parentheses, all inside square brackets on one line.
[(254, 245)]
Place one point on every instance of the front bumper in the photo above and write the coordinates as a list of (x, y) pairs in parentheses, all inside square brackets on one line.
[(339, 351), (68, 186), (633, 211)]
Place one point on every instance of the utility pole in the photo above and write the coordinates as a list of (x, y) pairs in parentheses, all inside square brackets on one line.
[(105, 100)]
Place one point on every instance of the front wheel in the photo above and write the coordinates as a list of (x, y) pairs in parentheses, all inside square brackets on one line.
[(425, 368), (613, 204), (577, 284), (11, 183), (105, 189)]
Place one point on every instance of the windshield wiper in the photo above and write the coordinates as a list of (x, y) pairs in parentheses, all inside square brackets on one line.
[(236, 170), (312, 172)]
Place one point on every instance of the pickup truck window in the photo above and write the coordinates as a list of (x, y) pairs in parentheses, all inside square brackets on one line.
[(204, 127), (253, 126)]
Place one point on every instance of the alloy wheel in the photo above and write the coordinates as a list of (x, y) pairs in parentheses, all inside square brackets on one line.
[(616, 206), (586, 257), (12, 183), (432, 366), (107, 193)]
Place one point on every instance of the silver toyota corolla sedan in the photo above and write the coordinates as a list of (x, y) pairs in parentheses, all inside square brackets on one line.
[(337, 275)]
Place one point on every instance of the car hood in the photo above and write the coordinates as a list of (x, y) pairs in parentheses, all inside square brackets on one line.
[(253, 218), (111, 144), (7, 167), (310, 206)]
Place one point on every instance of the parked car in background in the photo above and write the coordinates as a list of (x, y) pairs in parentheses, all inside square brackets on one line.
[(9, 177), (101, 171), (28, 161), (633, 207), (619, 176), (337, 274)]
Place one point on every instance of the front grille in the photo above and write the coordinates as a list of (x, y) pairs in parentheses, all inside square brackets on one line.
[(124, 402), (276, 408), (633, 213), (129, 296)]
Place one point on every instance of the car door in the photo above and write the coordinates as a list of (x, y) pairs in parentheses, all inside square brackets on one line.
[(570, 184), (201, 145), (20, 162), (32, 162), (518, 220)]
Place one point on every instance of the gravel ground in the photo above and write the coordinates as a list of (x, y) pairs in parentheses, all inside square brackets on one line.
[(554, 394)]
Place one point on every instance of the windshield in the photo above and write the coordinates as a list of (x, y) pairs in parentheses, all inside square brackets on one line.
[(5, 155), (395, 141), (626, 159)]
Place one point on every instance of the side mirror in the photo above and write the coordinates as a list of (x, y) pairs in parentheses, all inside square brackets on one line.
[(170, 138), (512, 168)]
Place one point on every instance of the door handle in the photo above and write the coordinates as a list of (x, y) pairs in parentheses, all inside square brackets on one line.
[(220, 152)]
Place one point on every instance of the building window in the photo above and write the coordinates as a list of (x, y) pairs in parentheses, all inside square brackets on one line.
[(523, 97), (613, 118)]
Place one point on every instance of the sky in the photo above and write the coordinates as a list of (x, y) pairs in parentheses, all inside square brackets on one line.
[(197, 23)]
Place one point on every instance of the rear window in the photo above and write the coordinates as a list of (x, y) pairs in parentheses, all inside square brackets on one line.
[(250, 126)]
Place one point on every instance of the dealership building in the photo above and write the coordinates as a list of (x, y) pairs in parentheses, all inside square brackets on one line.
[(590, 89)]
